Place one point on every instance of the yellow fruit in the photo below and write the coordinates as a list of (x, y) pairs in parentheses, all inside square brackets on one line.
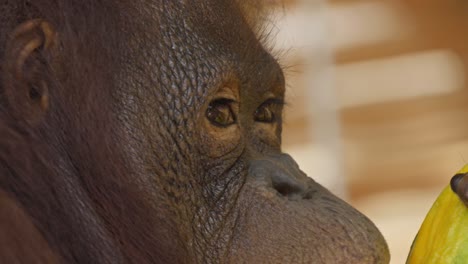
[(443, 236)]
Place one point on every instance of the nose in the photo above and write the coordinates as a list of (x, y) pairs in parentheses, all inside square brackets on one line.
[(282, 174)]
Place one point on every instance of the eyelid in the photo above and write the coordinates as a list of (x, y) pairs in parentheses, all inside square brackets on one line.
[(274, 101), (223, 100), (274, 105)]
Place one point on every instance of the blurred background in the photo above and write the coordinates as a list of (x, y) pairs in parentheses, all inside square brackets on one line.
[(377, 102)]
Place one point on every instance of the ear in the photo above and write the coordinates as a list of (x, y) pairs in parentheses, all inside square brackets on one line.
[(26, 76)]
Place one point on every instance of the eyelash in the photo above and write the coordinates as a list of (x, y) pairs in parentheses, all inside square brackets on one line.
[(221, 114), (267, 112), (275, 101)]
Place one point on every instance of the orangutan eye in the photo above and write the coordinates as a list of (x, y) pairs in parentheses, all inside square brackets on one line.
[(220, 112), (268, 111), (264, 114)]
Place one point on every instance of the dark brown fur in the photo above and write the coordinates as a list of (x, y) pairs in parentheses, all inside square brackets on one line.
[(64, 199)]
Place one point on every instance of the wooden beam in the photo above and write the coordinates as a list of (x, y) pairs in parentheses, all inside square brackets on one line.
[(382, 50)]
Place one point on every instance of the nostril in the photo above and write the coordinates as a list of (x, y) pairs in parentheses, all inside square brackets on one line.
[(292, 190), (281, 175), (286, 189)]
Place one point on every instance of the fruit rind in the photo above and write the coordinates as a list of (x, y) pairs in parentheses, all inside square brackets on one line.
[(443, 236)]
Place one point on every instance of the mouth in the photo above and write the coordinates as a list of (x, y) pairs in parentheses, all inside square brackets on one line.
[(320, 229)]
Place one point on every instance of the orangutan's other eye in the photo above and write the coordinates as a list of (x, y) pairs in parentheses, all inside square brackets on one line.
[(268, 111), (220, 112)]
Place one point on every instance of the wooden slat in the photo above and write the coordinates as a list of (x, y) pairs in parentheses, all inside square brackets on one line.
[(412, 143), (417, 143), (399, 110), (383, 50), (416, 169)]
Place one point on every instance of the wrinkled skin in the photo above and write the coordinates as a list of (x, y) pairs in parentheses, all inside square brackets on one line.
[(150, 132)]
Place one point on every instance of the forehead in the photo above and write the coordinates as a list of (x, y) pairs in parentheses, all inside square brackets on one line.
[(214, 30)]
